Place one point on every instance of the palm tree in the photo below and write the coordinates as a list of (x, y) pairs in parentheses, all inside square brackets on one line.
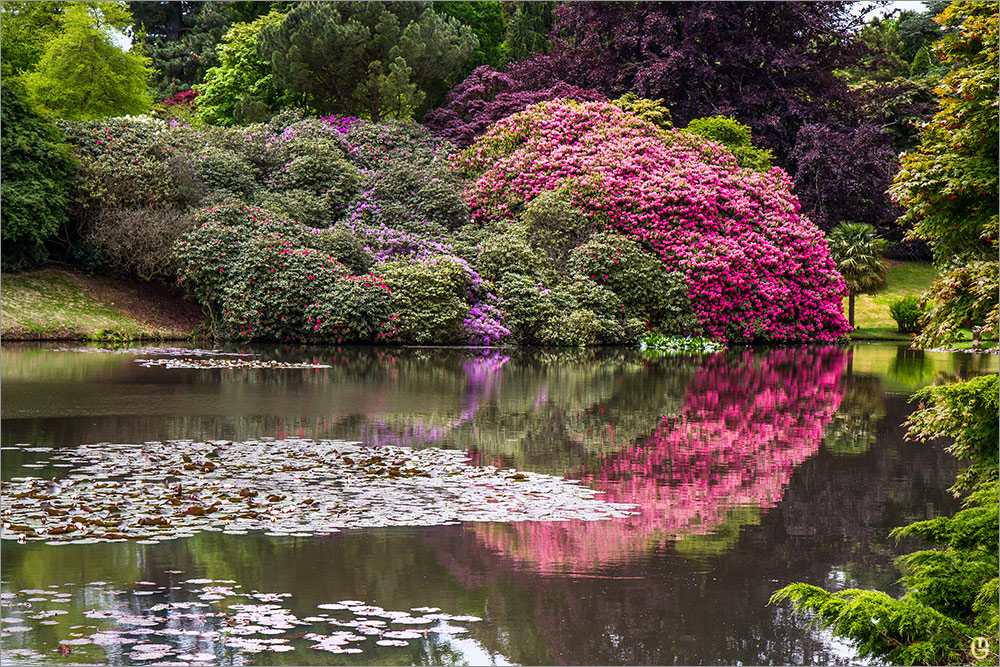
[(857, 250)]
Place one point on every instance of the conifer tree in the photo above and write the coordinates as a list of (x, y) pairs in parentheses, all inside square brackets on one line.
[(83, 74), (369, 59)]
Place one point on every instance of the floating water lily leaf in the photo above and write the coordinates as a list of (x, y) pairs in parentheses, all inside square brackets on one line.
[(283, 487)]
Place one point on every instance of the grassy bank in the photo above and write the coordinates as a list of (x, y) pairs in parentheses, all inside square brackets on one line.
[(871, 311), (55, 304)]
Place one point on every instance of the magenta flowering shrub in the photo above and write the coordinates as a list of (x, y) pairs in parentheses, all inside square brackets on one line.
[(753, 267)]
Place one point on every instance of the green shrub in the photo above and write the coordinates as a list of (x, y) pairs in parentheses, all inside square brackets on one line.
[(300, 205), (529, 308), (555, 226), (225, 170), (36, 169), (647, 290), (500, 257), (429, 297), (347, 248), (315, 181), (735, 136), (654, 111), (906, 311), (574, 313)]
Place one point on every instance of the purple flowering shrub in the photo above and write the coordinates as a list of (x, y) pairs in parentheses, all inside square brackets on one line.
[(753, 267)]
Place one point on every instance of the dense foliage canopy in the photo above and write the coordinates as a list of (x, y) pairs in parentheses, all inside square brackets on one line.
[(948, 184), (36, 167)]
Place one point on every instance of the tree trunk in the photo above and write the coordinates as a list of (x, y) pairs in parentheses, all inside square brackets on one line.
[(850, 308), (175, 20)]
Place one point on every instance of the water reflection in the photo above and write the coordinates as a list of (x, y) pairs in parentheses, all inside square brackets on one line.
[(753, 468), (748, 421)]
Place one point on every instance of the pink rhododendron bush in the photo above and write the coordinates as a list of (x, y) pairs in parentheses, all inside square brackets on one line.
[(753, 267)]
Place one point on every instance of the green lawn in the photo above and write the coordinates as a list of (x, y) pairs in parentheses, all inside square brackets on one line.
[(56, 304), (871, 311)]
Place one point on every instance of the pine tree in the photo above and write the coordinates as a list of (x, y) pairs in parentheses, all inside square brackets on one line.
[(370, 59)]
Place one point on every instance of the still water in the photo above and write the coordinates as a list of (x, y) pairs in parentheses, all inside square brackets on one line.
[(750, 469)]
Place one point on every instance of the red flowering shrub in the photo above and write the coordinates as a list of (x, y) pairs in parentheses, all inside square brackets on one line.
[(184, 98), (754, 268), (267, 278)]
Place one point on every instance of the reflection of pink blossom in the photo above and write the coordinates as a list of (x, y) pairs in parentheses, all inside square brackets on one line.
[(745, 428)]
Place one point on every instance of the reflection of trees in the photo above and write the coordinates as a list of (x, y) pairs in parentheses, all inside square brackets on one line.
[(747, 423), (853, 428), (656, 608)]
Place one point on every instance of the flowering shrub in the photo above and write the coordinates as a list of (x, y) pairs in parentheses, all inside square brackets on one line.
[(266, 279), (356, 310), (128, 163), (754, 269)]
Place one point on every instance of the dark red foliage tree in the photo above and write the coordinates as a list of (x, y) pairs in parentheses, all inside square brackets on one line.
[(769, 64), (843, 169), (487, 96)]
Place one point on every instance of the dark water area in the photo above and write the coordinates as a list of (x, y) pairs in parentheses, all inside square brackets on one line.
[(750, 469)]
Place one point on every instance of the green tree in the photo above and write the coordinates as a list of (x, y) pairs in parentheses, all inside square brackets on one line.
[(180, 39), (528, 26), (369, 59), (948, 185), (487, 22), (921, 63), (82, 74), (951, 591), (25, 29), (857, 249), (735, 136), (35, 168), (241, 88)]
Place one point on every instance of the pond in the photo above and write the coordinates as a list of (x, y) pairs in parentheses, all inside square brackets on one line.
[(728, 476)]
